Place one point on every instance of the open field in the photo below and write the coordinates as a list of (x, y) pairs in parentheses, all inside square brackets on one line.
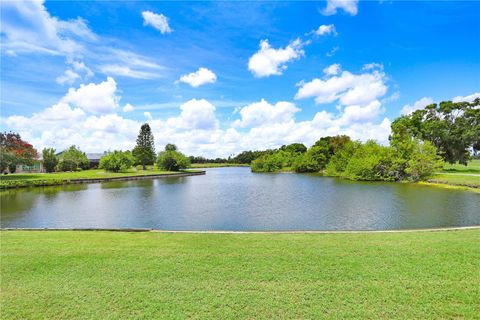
[(472, 167), (459, 175), (119, 275), (218, 165)]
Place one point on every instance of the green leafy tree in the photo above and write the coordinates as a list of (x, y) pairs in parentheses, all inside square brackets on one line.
[(172, 160), (275, 161), (334, 143), (117, 161), (14, 151), (414, 159), (144, 151), (170, 147), (72, 159), (339, 161), (423, 161), (247, 157), (372, 161), (294, 148), (50, 160), (314, 160), (452, 127)]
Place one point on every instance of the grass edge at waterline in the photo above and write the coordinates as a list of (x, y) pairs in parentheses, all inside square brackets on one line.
[(86, 176)]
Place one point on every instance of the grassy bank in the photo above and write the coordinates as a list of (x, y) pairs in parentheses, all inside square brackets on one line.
[(218, 165), (114, 275), (34, 179), (472, 167), (466, 180), (459, 175)]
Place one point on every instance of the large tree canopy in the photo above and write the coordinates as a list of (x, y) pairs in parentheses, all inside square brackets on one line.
[(452, 127), (14, 150)]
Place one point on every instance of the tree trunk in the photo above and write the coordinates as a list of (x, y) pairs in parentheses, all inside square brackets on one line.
[(144, 167)]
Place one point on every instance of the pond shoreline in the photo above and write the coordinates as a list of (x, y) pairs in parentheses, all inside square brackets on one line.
[(53, 182), (245, 232)]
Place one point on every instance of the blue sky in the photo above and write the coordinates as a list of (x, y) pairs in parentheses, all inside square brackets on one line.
[(196, 71)]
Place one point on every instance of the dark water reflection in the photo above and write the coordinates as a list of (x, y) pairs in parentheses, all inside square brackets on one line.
[(235, 199)]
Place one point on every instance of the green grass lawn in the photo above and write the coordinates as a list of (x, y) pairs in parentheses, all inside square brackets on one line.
[(84, 174), (471, 180), (472, 167), (117, 275), (459, 175), (55, 178)]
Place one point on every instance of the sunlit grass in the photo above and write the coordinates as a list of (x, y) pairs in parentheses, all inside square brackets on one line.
[(472, 167), (117, 275), (84, 174), (457, 179)]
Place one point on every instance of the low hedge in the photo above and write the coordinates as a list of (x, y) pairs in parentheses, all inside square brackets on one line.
[(8, 184)]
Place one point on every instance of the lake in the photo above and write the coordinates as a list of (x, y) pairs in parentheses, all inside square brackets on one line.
[(236, 199)]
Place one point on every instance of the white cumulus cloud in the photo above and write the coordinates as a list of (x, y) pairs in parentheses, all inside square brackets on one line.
[(268, 61), (68, 77), (200, 77), (128, 108), (148, 115), (195, 115), (468, 98), (95, 98), (157, 21), (349, 6), (419, 104), (326, 29), (332, 70), (261, 113), (346, 88)]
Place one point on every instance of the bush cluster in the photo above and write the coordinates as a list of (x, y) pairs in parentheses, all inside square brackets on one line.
[(117, 161), (172, 160), (406, 159), (8, 184)]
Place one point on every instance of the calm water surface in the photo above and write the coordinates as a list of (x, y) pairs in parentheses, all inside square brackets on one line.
[(236, 199)]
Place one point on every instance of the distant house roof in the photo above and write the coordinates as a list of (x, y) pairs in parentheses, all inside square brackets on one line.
[(90, 156), (94, 156)]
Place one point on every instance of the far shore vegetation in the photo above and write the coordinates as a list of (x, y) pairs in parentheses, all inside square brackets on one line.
[(438, 144)]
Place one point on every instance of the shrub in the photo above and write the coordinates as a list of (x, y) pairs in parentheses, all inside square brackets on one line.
[(12, 167), (274, 162), (72, 160), (339, 161), (305, 164), (334, 143), (423, 161), (50, 160), (314, 160), (172, 160), (373, 162), (117, 161), (294, 148)]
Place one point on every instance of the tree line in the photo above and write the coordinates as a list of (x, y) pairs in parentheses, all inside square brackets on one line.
[(15, 151), (448, 131)]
